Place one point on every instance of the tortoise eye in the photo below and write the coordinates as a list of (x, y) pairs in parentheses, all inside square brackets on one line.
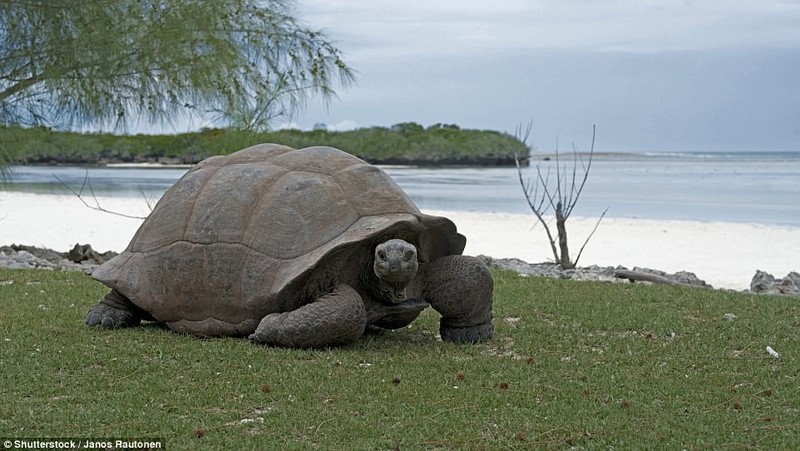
[(382, 254), (409, 255)]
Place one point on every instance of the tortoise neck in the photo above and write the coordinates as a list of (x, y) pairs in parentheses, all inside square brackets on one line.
[(390, 292), (383, 291)]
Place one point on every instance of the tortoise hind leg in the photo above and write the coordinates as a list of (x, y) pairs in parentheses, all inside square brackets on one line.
[(115, 311)]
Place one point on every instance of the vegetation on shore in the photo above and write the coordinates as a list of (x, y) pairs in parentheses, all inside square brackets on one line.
[(406, 143), (575, 364)]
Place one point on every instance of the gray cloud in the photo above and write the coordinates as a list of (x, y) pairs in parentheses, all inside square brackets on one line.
[(373, 28), (652, 74)]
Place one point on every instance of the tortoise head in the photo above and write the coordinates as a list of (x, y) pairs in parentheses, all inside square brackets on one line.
[(396, 262)]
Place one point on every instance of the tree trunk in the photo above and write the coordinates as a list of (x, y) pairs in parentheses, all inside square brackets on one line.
[(561, 226)]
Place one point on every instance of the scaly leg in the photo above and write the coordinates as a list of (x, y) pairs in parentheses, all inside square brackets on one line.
[(334, 319), (460, 288), (115, 311)]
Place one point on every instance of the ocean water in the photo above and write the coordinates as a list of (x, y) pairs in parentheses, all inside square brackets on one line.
[(755, 187)]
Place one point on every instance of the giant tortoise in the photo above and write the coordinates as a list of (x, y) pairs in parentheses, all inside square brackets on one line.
[(296, 248)]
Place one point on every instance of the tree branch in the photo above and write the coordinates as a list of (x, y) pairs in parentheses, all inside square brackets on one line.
[(596, 225), (585, 172), (96, 206), (536, 211)]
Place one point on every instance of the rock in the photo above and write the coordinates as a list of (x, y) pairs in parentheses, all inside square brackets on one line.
[(688, 278), (81, 257), (523, 267), (31, 253), (597, 273), (84, 253), (761, 282), (794, 277), (593, 272), (551, 269), (22, 259), (765, 283)]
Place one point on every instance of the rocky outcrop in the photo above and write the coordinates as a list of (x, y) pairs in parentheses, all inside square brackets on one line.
[(765, 283), (600, 273), (81, 257), (762, 283)]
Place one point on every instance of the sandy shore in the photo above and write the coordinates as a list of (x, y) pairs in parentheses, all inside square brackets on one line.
[(726, 255)]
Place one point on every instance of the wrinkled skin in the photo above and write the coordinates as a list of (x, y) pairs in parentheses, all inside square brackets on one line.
[(389, 293)]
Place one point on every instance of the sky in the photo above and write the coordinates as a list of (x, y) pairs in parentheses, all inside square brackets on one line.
[(652, 75)]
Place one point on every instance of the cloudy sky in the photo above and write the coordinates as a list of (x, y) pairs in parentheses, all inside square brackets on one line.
[(654, 75)]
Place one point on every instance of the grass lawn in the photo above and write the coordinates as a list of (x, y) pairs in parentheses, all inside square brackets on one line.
[(589, 365)]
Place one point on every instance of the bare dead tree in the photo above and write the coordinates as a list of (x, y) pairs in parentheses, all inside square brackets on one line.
[(544, 197)]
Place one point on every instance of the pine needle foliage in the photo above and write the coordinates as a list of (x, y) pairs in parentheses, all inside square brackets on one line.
[(243, 62)]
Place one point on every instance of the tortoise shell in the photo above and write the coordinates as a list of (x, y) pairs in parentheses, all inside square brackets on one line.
[(239, 236)]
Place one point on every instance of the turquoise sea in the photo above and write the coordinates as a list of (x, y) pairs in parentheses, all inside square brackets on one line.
[(755, 187)]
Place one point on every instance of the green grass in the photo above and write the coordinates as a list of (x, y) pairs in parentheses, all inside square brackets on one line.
[(590, 365)]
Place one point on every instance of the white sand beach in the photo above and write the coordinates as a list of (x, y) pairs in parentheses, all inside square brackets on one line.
[(726, 255)]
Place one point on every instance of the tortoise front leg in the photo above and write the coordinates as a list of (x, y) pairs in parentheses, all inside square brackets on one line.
[(333, 319), (460, 288)]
